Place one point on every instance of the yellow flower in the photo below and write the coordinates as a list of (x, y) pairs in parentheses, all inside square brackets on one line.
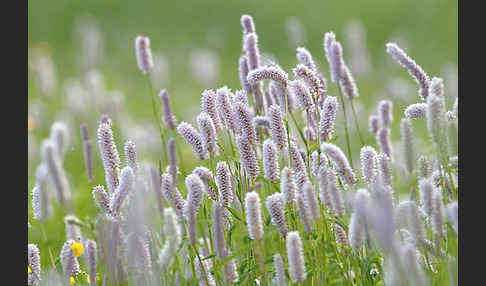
[(97, 278), (77, 248), (71, 280), (30, 124), (87, 278), (29, 270)]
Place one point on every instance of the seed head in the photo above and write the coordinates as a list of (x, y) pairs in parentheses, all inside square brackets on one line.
[(384, 169), (347, 84), (56, 172), (208, 105), (310, 78), (385, 112), (244, 121), (247, 156), (247, 24), (208, 133), (324, 195), (131, 156), (190, 213), (328, 116), (357, 233), (271, 72), (416, 110), (253, 215), (277, 129), (60, 135), (34, 264), (408, 144), (230, 271), (304, 57), (218, 231), (311, 200), (261, 121), (436, 116), (41, 204), (369, 164), (225, 108), (297, 161), (123, 190), (195, 191), (334, 194), (171, 194), (301, 92), (318, 160), (413, 69), (329, 38), (384, 141), (374, 124), (340, 234), (287, 185), (252, 51), (206, 176), (303, 212), (193, 138), (336, 62), (87, 151), (240, 96), (271, 170), (437, 214), (102, 199), (224, 183), (278, 263), (243, 72), (426, 190), (69, 262), (411, 263), (91, 256), (415, 223), (109, 154), (275, 207), (143, 53), (167, 115), (340, 163), (295, 256)]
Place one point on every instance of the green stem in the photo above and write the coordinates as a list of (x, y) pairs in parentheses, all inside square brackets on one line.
[(357, 124), (345, 126), (157, 117)]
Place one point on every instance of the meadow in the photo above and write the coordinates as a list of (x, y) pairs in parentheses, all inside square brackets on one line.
[(159, 139)]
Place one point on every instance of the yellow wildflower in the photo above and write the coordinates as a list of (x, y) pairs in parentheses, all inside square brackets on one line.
[(87, 278), (71, 280), (77, 248), (29, 270)]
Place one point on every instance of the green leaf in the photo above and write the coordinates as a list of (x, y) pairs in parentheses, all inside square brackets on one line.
[(209, 256), (235, 214), (332, 139)]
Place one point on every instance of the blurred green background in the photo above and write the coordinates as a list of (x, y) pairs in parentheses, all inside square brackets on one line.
[(427, 30)]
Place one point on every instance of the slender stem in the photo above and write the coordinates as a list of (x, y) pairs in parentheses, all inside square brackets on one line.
[(357, 124), (157, 117), (287, 127), (307, 145), (345, 126)]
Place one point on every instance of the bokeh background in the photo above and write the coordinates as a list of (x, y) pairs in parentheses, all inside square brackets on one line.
[(89, 47)]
